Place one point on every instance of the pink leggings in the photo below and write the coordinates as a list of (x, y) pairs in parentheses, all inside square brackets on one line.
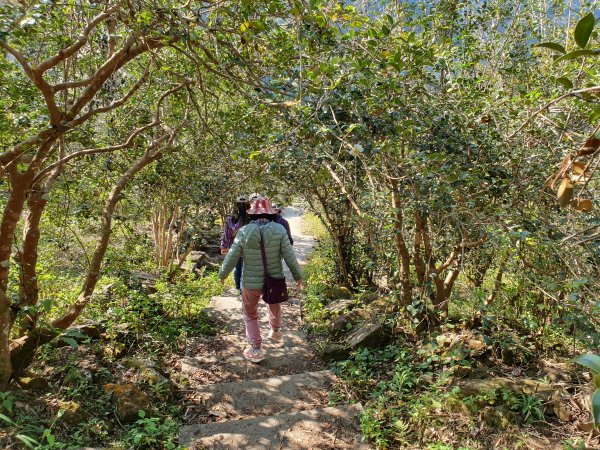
[(250, 300)]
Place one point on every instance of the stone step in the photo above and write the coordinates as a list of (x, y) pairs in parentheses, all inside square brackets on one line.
[(261, 397), (331, 427), (228, 310), (220, 359)]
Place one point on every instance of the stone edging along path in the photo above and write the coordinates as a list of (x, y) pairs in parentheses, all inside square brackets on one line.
[(279, 403)]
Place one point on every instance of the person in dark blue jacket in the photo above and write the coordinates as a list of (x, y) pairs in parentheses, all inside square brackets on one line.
[(281, 221)]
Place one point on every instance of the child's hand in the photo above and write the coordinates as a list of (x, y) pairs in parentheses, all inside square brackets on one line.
[(224, 251), (299, 285)]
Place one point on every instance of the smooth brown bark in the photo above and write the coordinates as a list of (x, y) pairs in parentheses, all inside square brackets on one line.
[(36, 150), (10, 219), (402, 253), (19, 354), (5, 321), (29, 256), (36, 202), (498, 279), (20, 185)]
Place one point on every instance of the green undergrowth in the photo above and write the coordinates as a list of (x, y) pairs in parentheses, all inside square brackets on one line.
[(320, 276), (553, 326), (313, 226), (319, 273), (174, 311), (410, 400), (72, 409), (409, 385)]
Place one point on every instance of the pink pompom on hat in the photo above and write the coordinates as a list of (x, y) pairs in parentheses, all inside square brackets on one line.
[(262, 205)]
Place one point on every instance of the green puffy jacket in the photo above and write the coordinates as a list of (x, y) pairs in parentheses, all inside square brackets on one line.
[(247, 245)]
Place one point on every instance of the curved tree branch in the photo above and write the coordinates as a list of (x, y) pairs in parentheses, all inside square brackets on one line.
[(128, 143), (73, 48), (19, 57), (116, 103), (593, 89), (72, 84)]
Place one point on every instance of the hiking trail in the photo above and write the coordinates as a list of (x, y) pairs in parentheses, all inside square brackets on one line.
[(279, 403)]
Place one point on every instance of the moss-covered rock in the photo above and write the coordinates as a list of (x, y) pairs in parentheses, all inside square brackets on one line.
[(366, 298), (498, 418), (71, 413), (33, 383), (115, 350), (337, 292), (457, 406), (338, 307), (148, 373), (367, 334), (333, 352), (129, 400), (344, 323)]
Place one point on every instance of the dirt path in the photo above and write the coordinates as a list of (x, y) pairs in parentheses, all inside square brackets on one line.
[(280, 403), (303, 244)]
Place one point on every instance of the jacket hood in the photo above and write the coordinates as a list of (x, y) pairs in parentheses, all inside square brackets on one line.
[(251, 237)]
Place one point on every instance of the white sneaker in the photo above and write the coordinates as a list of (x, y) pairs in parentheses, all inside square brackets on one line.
[(275, 335), (254, 355)]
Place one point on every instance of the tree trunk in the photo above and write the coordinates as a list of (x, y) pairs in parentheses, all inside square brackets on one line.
[(29, 286), (336, 232), (168, 254), (402, 253), (166, 242), (37, 201), (444, 284), (498, 279), (478, 278), (10, 218), (31, 236), (339, 249), (418, 251), (93, 273), (12, 213), (5, 321), (22, 350), (177, 267)]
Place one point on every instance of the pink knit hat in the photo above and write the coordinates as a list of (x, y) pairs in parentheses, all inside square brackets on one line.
[(262, 205)]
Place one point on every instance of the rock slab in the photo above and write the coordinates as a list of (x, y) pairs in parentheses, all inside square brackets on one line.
[(332, 427), (266, 396)]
